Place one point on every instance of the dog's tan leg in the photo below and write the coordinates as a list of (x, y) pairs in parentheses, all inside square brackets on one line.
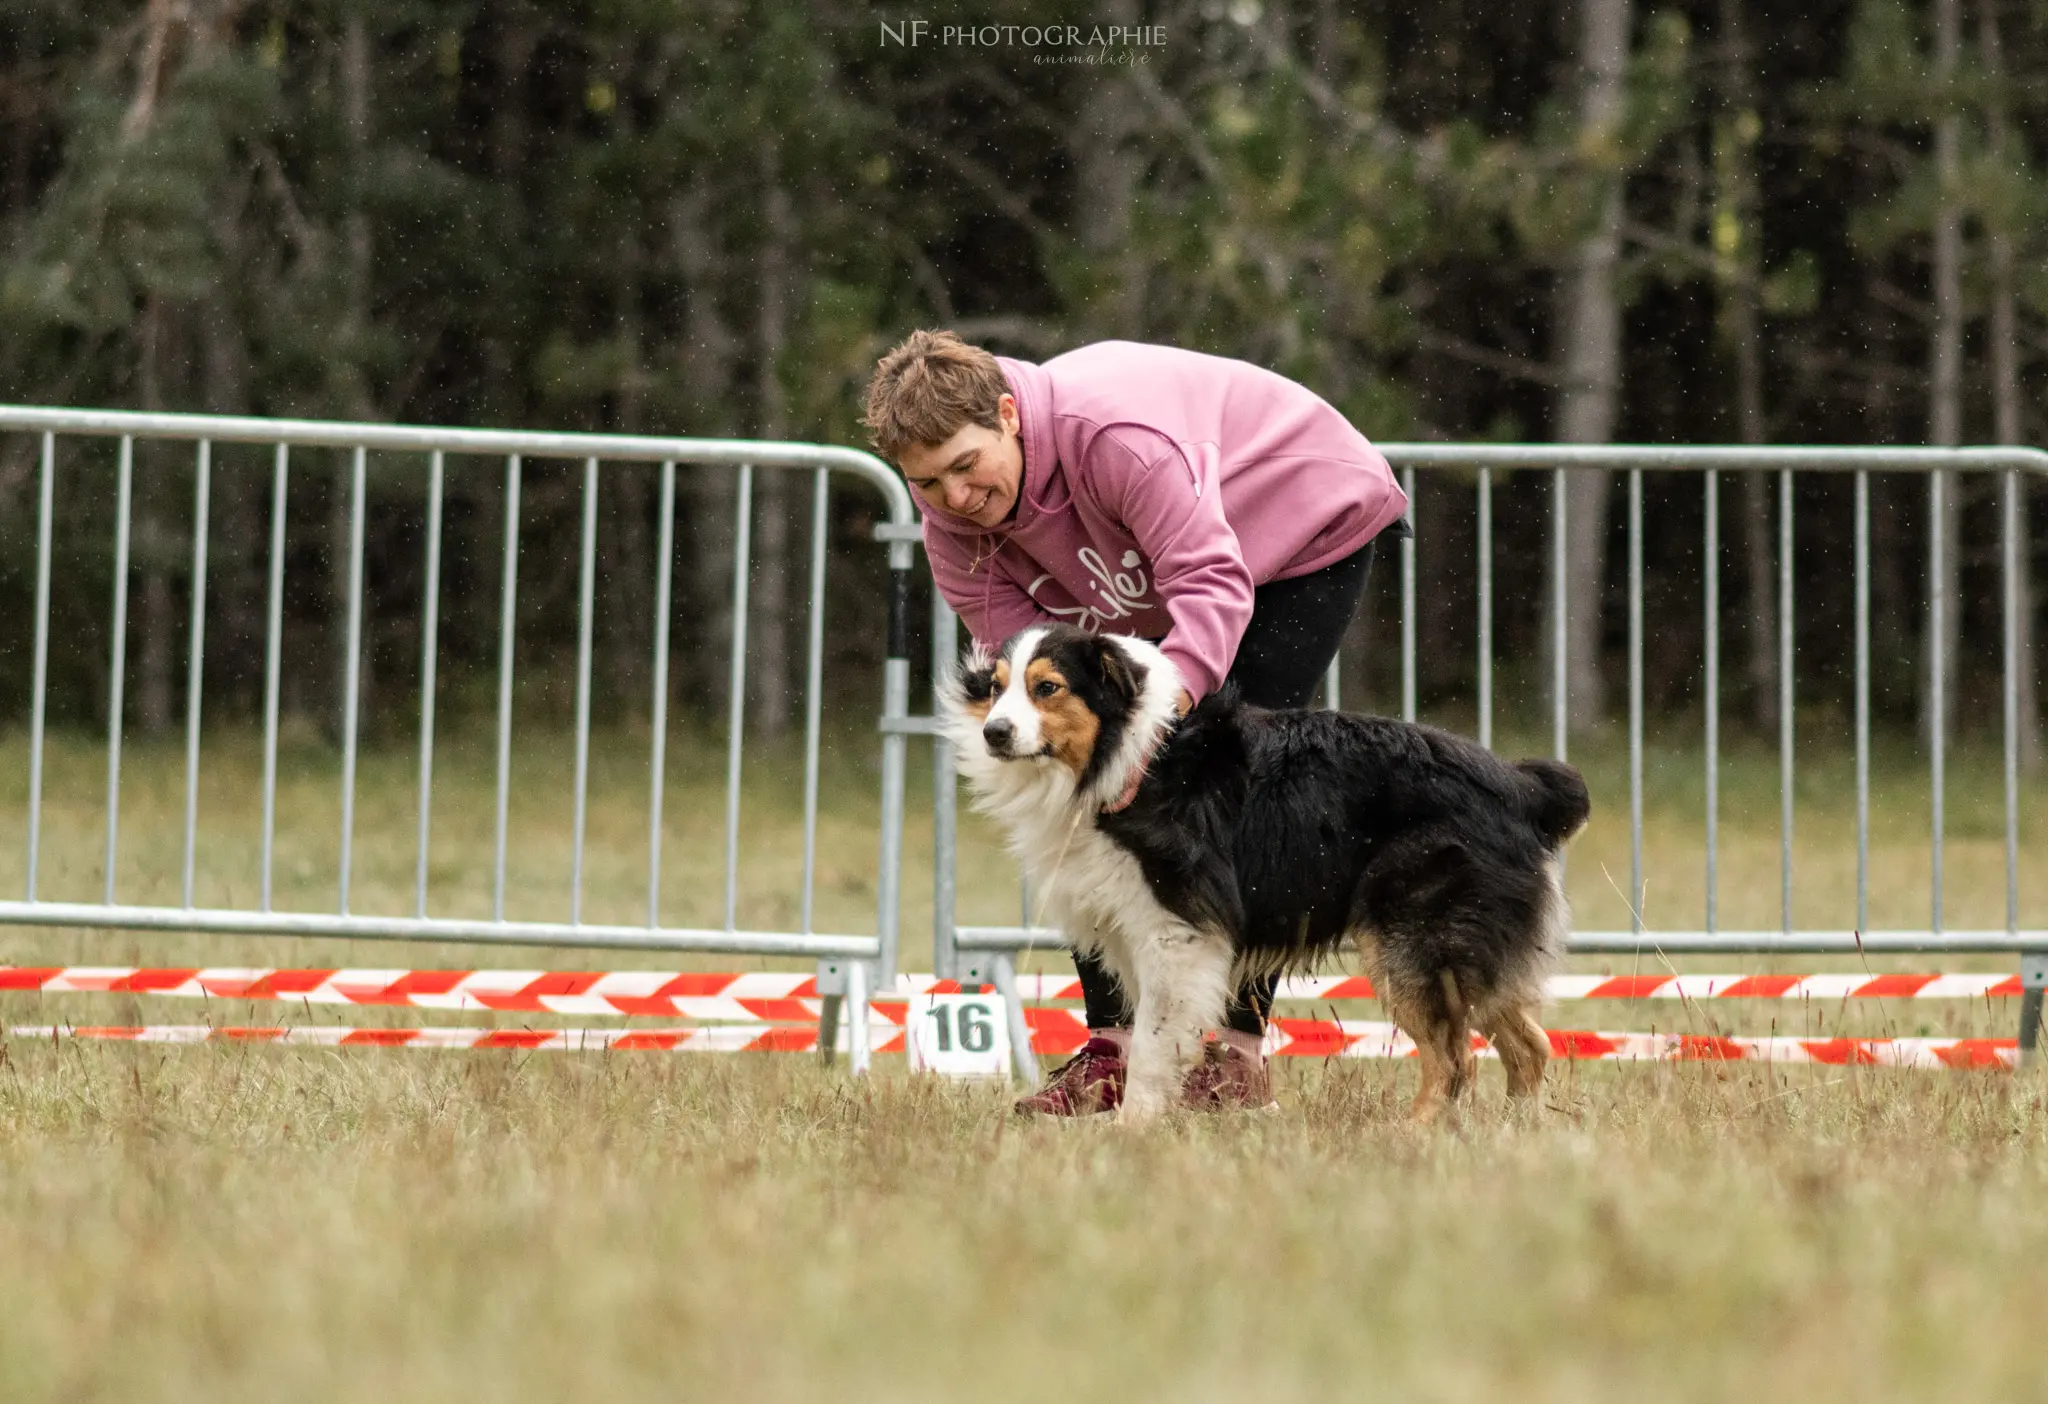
[(1443, 1044), (1183, 983), (1524, 1049)]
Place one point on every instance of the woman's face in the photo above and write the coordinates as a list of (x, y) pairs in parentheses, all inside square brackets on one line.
[(975, 474)]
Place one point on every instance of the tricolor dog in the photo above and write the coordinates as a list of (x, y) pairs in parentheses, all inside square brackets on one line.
[(1192, 851)]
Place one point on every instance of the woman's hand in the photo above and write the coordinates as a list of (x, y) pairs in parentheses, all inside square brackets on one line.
[(1183, 703)]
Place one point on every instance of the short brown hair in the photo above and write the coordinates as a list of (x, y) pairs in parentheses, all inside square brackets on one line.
[(927, 388)]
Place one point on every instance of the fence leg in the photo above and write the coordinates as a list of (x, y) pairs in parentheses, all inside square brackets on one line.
[(1022, 1060), (831, 987), (859, 1050), (828, 1027), (2033, 982)]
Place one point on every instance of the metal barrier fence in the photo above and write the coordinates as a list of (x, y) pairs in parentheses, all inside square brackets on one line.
[(850, 966), (986, 953)]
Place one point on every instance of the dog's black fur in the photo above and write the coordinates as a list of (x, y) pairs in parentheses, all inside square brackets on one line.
[(1293, 829), (1299, 832)]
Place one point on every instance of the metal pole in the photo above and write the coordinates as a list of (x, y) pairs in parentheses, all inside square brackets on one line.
[(1559, 679), (1785, 733), (1862, 701), (118, 668), (2033, 985), (508, 616), (430, 649), (1711, 628), (657, 761), (859, 1055), (736, 691), (1635, 697), (585, 622), (202, 492), (1486, 607), (45, 513), (273, 662), (351, 700), (1023, 1062), (2013, 538), (1408, 602), (1937, 678), (895, 707), (814, 684), (945, 803)]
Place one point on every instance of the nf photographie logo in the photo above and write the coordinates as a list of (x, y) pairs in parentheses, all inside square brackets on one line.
[(1120, 44)]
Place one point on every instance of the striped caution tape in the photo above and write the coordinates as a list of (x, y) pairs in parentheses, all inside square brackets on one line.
[(1291, 1038), (774, 996)]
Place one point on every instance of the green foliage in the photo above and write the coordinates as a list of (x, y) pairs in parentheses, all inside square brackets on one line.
[(698, 216)]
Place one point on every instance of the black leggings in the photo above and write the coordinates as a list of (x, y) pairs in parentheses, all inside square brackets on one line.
[(1294, 631)]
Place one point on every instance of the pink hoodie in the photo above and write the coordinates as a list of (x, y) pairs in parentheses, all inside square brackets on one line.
[(1159, 487)]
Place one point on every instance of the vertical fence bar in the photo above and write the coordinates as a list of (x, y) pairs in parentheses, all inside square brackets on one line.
[(1635, 698), (1559, 680), (508, 614), (45, 513), (1408, 602), (430, 647), (118, 667), (945, 803), (895, 709), (1711, 631), (1486, 607), (585, 624), (2013, 536), (858, 1053), (1937, 678), (1023, 1063), (1785, 733), (352, 688), (1333, 683), (202, 494), (273, 663), (736, 692), (814, 686), (1862, 700), (657, 761)]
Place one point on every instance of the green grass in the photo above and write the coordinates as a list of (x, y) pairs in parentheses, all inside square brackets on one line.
[(268, 1224), (258, 1223)]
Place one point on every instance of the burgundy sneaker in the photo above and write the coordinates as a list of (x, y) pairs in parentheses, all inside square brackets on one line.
[(1228, 1080), (1087, 1084)]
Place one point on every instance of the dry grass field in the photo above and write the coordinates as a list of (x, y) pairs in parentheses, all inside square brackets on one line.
[(248, 1223)]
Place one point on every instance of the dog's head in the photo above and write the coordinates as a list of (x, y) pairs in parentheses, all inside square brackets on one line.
[(1054, 695)]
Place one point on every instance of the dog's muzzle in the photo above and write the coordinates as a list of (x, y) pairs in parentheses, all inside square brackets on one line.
[(999, 735)]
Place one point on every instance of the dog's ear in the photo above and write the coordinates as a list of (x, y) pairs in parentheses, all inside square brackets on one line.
[(977, 677), (1118, 673), (972, 679)]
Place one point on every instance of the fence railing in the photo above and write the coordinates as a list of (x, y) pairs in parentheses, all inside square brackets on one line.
[(986, 953), (850, 965)]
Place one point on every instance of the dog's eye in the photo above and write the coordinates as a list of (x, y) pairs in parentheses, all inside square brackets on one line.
[(1045, 688)]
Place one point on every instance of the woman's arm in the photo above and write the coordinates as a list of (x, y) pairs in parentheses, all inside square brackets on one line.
[(1174, 507)]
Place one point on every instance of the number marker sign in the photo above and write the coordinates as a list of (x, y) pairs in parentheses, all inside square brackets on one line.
[(958, 1035)]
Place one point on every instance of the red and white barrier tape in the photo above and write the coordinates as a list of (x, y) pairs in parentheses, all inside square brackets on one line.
[(1288, 1038), (775, 1038), (763, 995)]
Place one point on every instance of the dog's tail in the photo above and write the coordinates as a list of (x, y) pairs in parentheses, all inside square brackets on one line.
[(1555, 799)]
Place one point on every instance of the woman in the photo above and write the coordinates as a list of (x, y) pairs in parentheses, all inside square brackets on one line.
[(1217, 508)]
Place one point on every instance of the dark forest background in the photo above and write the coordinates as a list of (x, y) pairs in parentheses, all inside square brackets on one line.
[(1713, 221)]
